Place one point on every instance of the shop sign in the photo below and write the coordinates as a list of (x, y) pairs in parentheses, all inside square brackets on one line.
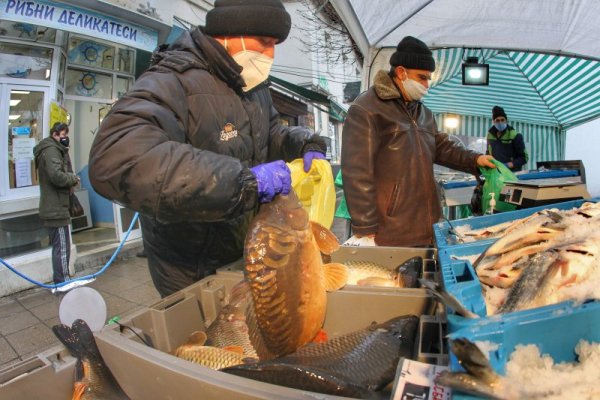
[(73, 19)]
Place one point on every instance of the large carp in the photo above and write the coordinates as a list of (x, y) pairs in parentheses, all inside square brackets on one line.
[(94, 379), (352, 365), (287, 278)]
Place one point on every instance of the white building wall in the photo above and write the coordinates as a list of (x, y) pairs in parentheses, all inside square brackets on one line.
[(583, 143)]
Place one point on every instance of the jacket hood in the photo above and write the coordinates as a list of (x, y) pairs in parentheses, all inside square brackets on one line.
[(46, 144), (194, 49)]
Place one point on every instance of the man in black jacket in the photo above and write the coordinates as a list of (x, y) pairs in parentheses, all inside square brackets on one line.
[(56, 182), (196, 144)]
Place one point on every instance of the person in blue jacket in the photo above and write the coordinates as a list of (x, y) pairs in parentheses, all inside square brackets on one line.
[(504, 143)]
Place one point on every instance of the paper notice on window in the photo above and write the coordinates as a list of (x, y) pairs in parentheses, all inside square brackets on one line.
[(415, 381), (23, 148), (23, 172)]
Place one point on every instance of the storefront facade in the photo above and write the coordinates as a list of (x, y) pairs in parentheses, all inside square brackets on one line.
[(58, 61)]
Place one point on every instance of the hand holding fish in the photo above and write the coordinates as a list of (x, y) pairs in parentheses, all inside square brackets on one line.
[(272, 178)]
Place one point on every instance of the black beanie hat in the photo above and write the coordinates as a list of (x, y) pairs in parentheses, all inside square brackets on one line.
[(248, 18), (412, 53), (497, 112)]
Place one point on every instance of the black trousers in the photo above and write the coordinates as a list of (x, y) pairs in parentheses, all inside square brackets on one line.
[(61, 252)]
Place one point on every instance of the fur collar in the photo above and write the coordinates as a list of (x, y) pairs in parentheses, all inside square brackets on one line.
[(385, 88)]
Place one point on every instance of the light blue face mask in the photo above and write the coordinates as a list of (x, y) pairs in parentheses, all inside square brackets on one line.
[(500, 126)]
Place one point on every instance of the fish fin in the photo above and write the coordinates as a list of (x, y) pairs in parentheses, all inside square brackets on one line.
[(79, 390), (378, 281), (326, 240), (250, 360), (239, 293), (80, 370), (320, 337), (335, 275), (197, 338), (234, 349)]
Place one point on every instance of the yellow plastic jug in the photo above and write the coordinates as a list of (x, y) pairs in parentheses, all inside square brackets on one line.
[(315, 189)]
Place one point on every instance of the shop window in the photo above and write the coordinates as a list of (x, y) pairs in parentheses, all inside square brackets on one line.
[(23, 31), (24, 132), (88, 83), (125, 61), (123, 85), (61, 71), (25, 61), (22, 234), (90, 53)]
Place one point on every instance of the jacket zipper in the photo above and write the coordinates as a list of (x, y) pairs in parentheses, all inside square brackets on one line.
[(412, 119), (393, 200)]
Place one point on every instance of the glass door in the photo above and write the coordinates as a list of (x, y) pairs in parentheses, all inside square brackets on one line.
[(123, 218), (24, 114)]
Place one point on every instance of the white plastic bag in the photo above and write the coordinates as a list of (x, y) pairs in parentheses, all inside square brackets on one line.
[(360, 241)]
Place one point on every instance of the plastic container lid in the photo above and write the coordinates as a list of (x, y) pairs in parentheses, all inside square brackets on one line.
[(315, 189)]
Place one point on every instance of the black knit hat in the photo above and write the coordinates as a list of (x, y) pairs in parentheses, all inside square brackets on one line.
[(248, 18), (497, 112), (412, 53)]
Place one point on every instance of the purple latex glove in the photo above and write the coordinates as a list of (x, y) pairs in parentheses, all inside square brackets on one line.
[(273, 178), (308, 158)]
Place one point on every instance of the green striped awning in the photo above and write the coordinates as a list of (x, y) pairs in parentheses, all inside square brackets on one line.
[(536, 88)]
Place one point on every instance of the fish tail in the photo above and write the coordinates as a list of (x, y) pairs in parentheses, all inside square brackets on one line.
[(71, 339), (446, 298)]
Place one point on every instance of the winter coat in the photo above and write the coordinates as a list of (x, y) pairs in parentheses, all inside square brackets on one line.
[(178, 147), (509, 147), (51, 160), (388, 151)]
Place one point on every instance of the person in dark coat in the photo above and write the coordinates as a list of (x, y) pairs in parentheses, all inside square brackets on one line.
[(390, 142), (196, 144), (56, 183), (504, 143)]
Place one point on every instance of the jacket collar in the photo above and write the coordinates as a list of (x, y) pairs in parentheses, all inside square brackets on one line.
[(385, 88)]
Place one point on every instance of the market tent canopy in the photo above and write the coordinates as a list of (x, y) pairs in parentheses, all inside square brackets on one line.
[(544, 55), (538, 88), (556, 26)]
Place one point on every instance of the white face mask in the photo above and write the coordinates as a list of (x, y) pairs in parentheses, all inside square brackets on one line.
[(414, 90), (256, 66)]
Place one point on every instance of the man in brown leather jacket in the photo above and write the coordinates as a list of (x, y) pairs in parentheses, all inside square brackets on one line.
[(389, 145), (196, 144)]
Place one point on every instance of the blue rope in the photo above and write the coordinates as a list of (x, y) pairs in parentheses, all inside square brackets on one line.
[(81, 278)]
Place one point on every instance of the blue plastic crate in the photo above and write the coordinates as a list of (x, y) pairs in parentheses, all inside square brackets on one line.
[(444, 237), (556, 331), (460, 279)]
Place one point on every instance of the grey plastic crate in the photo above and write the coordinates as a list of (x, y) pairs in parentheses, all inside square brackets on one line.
[(146, 372), (49, 375)]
